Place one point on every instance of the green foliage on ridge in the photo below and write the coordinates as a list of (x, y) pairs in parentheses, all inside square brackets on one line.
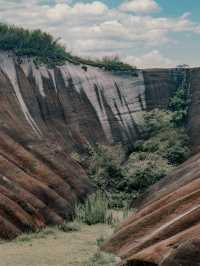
[(36, 44), (46, 50), (109, 63)]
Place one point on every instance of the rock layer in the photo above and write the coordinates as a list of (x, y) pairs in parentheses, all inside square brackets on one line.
[(168, 215), (45, 116), (48, 114)]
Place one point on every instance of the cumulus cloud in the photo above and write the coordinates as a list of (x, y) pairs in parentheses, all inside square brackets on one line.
[(63, 10), (151, 59), (139, 6), (94, 29)]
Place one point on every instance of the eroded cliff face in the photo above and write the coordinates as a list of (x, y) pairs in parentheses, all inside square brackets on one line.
[(165, 230), (73, 104), (47, 114)]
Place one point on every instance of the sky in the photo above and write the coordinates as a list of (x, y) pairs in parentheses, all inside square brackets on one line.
[(144, 33)]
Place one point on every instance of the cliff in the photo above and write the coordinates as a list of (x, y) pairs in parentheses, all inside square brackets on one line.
[(47, 114), (165, 230)]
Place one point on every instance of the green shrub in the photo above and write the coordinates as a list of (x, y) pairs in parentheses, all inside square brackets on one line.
[(155, 121), (109, 63), (144, 169), (163, 145), (37, 44), (164, 137), (106, 173), (95, 210), (179, 105), (177, 154)]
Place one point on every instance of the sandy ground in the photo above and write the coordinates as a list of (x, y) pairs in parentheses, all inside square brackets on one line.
[(55, 248)]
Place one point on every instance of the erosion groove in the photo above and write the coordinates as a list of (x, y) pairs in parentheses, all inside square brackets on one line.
[(167, 221), (47, 114)]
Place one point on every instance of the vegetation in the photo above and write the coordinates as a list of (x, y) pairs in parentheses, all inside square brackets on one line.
[(75, 248), (143, 169), (163, 137), (36, 44), (95, 210), (46, 50), (179, 105), (163, 146), (70, 227), (102, 259), (106, 173), (39, 234), (109, 63)]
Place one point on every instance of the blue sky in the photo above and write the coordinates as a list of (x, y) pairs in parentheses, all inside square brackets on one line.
[(145, 33)]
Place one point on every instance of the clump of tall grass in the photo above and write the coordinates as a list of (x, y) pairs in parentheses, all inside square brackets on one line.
[(95, 210)]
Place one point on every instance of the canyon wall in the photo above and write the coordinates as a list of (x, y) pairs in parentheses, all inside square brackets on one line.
[(165, 230), (47, 114)]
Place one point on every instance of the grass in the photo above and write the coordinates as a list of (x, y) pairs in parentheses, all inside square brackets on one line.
[(102, 259), (43, 233), (54, 247), (95, 210)]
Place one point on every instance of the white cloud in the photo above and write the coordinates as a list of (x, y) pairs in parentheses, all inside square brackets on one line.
[(186, 15), (152, 59), (139, 6), (63, 10), (94, 29)]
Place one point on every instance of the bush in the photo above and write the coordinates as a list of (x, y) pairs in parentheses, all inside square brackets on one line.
[(162, 146), (177, 154), (37, 44), (106, 173), (95, 210), (155, 121), (179, 106), (144, 169), (163, 137)]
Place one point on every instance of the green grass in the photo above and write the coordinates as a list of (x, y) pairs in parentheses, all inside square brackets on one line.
[(95, 210)]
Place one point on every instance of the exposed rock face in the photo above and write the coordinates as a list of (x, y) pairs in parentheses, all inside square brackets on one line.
[(182, 254), (46, 114), (168, 215)]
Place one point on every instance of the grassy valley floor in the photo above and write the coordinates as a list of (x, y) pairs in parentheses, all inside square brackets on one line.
[(53, 247)]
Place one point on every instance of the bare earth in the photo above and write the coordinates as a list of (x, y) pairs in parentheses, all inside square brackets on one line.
[(55, 248)]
